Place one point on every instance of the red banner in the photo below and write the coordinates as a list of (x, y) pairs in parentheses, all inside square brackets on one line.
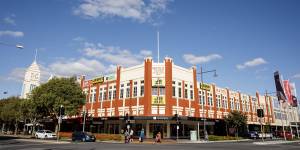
[(287, 91)]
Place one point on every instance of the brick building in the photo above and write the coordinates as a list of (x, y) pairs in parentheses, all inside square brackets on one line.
[(152, 93)]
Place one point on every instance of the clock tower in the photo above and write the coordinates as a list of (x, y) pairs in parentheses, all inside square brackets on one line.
[(31, 79)]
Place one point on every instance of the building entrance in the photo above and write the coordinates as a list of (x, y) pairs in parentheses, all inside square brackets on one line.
[(157, 127)]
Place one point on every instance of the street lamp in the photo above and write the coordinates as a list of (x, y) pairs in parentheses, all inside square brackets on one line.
[(204, 119), (61, 112), (19, 46)]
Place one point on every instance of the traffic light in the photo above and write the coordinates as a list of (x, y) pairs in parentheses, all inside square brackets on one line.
[(61, 110), (91, 119), (260, 113), (126, 117), (176, 117)]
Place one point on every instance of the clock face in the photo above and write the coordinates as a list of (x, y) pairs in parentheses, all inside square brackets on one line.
[(34, 76)]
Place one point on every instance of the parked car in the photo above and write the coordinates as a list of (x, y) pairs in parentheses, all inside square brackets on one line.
[(83, 136), (265, 135), (45, 134), (288, 135), (253, 135)]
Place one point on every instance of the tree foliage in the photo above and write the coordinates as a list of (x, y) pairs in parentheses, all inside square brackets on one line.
[(236, 120), (11, 111), (48, 97)]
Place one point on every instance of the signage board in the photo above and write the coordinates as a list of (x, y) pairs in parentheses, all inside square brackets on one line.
[(158, 100), (158, 82), (204, 86), (98, 80)]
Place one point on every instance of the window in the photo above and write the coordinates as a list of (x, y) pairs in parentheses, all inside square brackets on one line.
[(100, 96), (231, 104), (173, 91), (114, 94), (94, 97), (32, 86), (121, 93), (218, 103), (185, 93), (161, 91), (210, 103), (191, 94), (154, 91), (134, 91), (109, 95), (179, 92), (142, 90), (104, 95), (127, 92)]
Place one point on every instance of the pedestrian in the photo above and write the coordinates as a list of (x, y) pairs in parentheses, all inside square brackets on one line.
[(126, 135), (142, 134), (158, 138), (131, 135)]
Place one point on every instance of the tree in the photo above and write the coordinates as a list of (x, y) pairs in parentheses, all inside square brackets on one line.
[(11, 112), (236, 120), (48, 97)]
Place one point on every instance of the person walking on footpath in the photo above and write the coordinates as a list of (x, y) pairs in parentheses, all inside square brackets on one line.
[(158, 138), (142, 134), (131, 135), (126, 134)]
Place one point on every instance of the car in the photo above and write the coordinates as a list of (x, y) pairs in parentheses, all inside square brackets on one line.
[(265, 135), (45, 134), (83, 136), (287, 134), (253, 135)]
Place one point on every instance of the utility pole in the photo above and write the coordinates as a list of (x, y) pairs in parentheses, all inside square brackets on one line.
[(204, 119), (61, 113), (84, 117)]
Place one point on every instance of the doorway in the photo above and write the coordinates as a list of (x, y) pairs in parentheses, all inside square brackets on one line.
[(157, 127)]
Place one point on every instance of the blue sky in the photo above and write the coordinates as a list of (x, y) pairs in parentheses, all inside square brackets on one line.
[(245, 40)]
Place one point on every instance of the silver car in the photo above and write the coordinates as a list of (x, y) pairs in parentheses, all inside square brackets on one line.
[(45, 134)]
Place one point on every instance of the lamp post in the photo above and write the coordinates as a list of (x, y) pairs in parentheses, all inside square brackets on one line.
[(61, 112), (14, 45), (204, 119), (84, 117)]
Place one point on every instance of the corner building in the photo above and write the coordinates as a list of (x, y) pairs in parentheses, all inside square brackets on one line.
[(152, 93)]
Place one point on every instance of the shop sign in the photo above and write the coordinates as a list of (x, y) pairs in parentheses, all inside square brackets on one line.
[(158, 82), (204, 86), (98, 80), (158, 100)]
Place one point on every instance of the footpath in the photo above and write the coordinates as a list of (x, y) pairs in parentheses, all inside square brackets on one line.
[(29, 138), (274, 142)]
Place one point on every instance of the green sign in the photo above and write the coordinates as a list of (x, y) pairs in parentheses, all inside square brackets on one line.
[(98, 80), (204, 86)]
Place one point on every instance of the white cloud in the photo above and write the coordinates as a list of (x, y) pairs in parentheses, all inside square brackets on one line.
[(296, 76), (114, 54), (193, 59), (139, 10), (17, 74), (145, 53), (12, 33), (9, 20), (77, 67), (251, 63)]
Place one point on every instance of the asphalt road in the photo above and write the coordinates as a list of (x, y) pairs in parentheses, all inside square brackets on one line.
[(20, 144)]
